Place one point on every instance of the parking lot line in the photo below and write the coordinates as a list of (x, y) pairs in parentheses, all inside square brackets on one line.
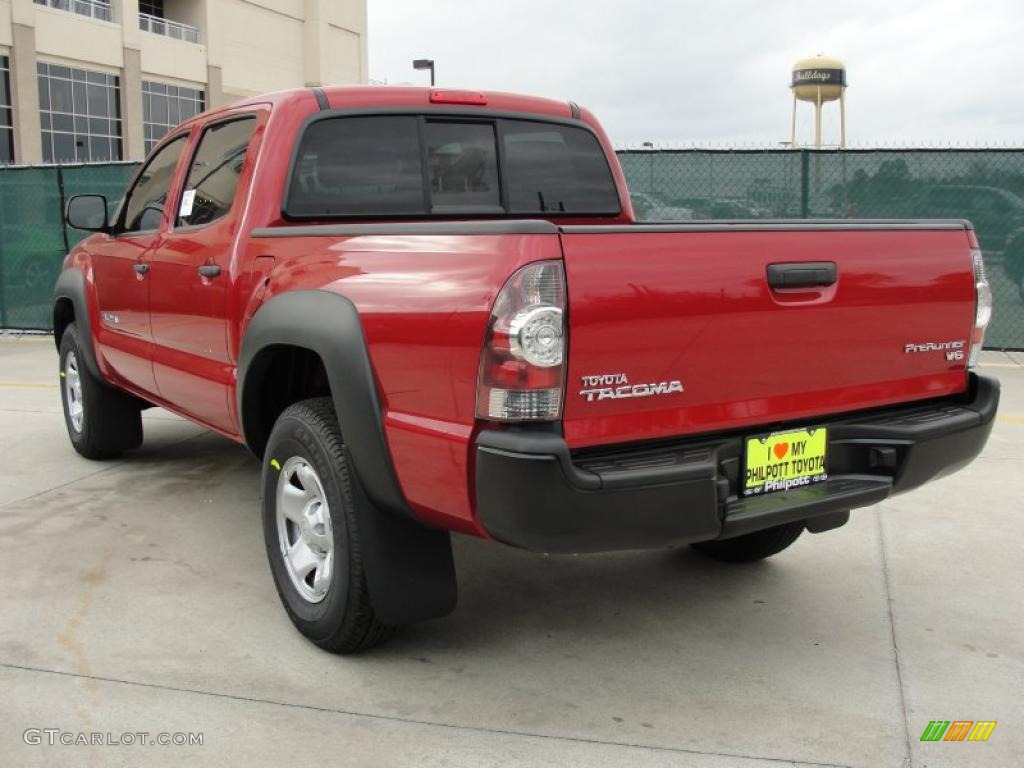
[(405, 720)]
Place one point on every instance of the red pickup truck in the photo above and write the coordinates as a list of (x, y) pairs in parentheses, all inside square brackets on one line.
[(430, 311)]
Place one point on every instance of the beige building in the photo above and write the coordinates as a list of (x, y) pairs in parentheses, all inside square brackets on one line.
[(96, 80)]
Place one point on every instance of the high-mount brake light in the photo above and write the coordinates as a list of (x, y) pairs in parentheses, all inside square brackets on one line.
[(522, 365), (983, 307), (457, 97)]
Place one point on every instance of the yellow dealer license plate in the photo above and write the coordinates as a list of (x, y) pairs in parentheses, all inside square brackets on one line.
[(785, 460)]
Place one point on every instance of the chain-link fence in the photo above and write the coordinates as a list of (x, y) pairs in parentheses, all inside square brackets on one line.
[(33, 237), (985, 186)]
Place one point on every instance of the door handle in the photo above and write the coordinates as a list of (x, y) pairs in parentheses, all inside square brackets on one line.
[(142, 268), (209, 270), (802, 274)]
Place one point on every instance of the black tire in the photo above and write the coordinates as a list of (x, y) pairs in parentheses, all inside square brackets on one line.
[(110, 421), (343, 621), (752, 546)]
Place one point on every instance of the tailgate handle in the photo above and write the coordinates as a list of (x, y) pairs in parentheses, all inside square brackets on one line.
[(802, 274)]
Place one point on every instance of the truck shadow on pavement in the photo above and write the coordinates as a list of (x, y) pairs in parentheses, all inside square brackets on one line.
[(510, 597)]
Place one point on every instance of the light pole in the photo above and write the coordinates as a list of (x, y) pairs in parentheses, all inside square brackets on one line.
[(425, 64)]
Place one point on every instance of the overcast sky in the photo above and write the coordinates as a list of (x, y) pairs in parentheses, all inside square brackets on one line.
[(677, 73)]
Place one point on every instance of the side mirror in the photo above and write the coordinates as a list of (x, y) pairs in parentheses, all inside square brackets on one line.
[(88, 212)]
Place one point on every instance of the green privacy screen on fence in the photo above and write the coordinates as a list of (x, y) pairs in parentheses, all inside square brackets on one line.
[(33, 240), (985, 186)]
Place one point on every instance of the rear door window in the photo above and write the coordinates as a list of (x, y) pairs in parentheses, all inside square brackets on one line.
[(394, 165), (216, 168)]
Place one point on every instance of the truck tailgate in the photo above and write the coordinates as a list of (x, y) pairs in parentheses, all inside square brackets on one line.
[(675, 330)]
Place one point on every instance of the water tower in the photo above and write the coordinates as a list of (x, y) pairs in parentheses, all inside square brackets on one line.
[(820, 79)]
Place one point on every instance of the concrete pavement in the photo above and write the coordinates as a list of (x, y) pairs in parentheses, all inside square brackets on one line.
[(136, 597)]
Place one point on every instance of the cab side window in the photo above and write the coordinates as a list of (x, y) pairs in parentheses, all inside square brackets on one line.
[(215, 170), (145, 201)]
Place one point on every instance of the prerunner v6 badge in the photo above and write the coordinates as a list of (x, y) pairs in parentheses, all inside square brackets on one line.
[(785, 460)]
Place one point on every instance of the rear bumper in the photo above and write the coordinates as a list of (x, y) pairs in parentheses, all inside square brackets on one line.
[(532, 493)]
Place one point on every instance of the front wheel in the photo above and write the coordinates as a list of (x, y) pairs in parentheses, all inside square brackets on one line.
[(102, 422), (752, 546), (310, 527)]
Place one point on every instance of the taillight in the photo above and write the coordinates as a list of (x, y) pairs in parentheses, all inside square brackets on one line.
[(983, 307), (522, 366)]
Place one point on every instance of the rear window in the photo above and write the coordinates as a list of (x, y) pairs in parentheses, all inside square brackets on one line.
[(556, 168), (462, 162), (358, 166), (420, 165)]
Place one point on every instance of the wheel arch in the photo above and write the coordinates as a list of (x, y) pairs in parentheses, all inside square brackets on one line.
[(70, 305), (311, 329), (278, 375), (410, 570)]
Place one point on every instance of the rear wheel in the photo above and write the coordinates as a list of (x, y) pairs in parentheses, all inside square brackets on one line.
[(752, 546), (311, 530), (102, 422)]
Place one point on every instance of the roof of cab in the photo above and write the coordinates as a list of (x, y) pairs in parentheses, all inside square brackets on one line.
[(402, 96)]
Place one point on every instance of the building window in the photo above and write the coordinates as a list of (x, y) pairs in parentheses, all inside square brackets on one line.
[(96, 9), (80, 114), (6, 129), (152, 8), (164, 106)]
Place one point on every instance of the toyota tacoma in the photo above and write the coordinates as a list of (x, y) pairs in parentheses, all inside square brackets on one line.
[(430, 311)]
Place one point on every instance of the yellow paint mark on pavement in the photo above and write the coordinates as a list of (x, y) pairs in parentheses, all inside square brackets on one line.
[(1011, 419)]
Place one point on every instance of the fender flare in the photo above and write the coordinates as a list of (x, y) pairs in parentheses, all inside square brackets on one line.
[(328, 324), (410, 569), (71, 286)]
